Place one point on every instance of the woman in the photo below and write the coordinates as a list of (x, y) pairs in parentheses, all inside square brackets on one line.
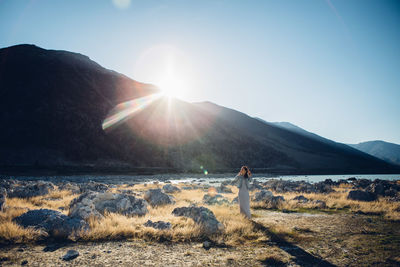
[(242, 181)]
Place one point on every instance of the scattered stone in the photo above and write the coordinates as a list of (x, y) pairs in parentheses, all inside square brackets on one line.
[(156, 197), (215, 199), (73, 187), (319, 204), (3, 196), (30, 189), (224, 189), (263, 195), (53, 247), (187, 188), (235, 200), (202, 216), (206, 245), (361, 195), (160, 225), (53, 222), (301, 199), (93, 186), (169, 188), (70, 255), (96, 204)]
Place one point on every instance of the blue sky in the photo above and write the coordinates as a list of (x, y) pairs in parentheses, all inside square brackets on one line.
[(331, 67)]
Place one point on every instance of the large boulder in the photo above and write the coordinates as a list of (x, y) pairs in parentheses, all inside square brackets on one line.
[(361, 195), (262, 195), (156, 197), (53, 222), (215, 199), (266, 197), (3, 196), (30, 189), (202, 216), (169, 188), (96, 204)]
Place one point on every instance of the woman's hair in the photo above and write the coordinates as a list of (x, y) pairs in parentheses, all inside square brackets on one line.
[(245, 171)]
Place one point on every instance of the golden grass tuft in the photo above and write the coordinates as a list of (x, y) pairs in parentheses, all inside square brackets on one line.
[(10, 232)]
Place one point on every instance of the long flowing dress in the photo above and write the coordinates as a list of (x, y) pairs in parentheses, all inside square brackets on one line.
[(243, 196)]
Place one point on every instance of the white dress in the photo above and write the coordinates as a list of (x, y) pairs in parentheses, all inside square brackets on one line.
[(243, 196)]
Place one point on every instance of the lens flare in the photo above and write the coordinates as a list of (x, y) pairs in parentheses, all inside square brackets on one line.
[(127, 109), (122, 4), (212, 191)]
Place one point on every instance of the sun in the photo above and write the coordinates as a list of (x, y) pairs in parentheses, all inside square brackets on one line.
[(171, 87)]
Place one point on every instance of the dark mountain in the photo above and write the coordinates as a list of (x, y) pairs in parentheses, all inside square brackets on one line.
[(53, 104), (386, 151), (294, 128)]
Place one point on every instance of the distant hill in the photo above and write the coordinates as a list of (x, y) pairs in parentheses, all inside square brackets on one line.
[(387, 151), (53, 104)]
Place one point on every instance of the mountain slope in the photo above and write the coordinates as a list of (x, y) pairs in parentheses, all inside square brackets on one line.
[(386, 151), (53, 104)]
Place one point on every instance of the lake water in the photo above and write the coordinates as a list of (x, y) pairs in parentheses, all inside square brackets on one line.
[(197, 178), (307, 178)]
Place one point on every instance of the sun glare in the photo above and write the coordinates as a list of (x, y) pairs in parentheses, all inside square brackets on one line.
[(168, 68), (171, 87)]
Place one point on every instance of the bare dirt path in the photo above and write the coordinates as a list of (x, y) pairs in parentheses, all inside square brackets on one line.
[(294, 239)]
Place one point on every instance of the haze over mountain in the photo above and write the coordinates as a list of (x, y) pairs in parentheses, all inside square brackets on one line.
[(53, 104), (387, 151)]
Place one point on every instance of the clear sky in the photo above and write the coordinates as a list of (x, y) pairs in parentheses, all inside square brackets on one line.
[(331, 67)]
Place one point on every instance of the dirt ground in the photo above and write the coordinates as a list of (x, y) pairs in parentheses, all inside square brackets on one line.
[(293, 239)]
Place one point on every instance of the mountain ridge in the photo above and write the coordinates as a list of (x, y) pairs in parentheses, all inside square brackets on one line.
[(54, 104)]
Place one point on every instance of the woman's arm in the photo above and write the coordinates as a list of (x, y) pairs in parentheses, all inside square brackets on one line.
[(235, 179)]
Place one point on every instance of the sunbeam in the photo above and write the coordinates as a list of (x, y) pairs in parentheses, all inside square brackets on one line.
[(127, 109)]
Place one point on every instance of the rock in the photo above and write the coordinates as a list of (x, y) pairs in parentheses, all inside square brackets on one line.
[(206, 245), (352, 179), (224, 189), (235, 200), (96, 204), (156, 197), (74, 188), (361, 195), (70, 255), (262, 195), (202, 216), (329, 182), (301, 199), (24, 262), (187, 188), (30, 189), (158, 225), (53, 222), (274, 202), (3, 196), (169, 188), (215, 199), (319, 204), (390, 193), (362, 183), (93, 186)]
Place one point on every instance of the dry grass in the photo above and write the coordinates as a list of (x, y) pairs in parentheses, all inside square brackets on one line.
[(337, 201), (238, 230)]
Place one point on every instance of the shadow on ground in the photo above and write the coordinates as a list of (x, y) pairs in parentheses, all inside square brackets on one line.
[(301, 257)]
